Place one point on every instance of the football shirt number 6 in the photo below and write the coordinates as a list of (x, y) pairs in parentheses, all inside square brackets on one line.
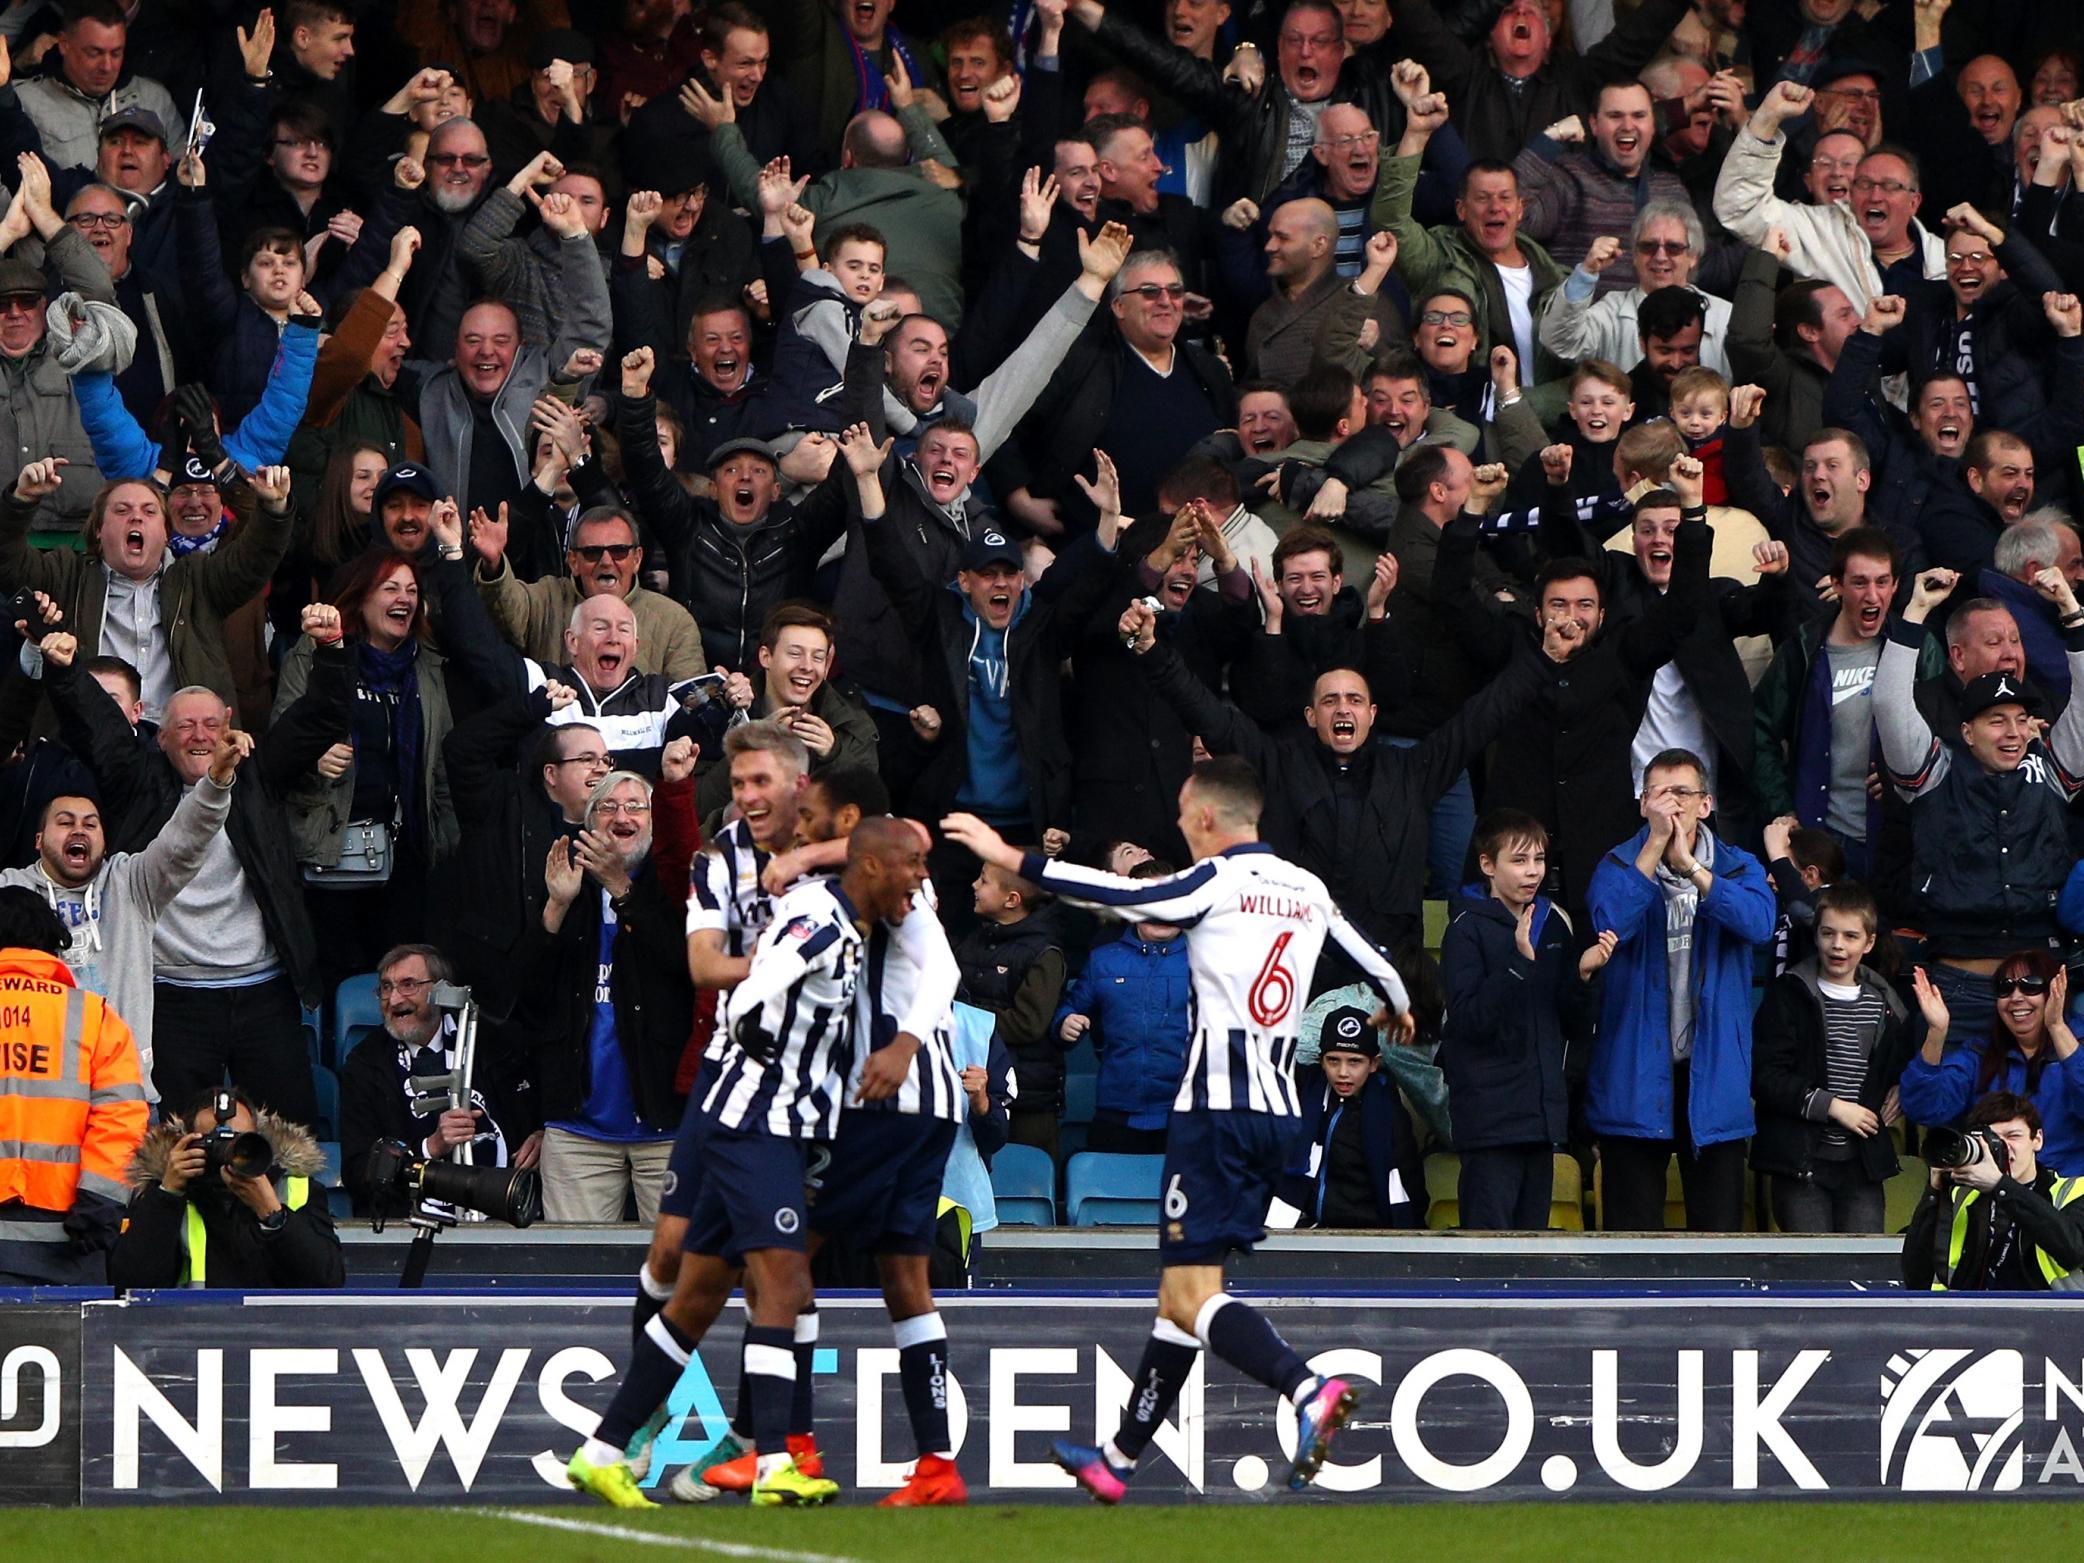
[(1273, 990)]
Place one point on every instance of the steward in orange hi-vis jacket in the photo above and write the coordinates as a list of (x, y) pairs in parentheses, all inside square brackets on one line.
[(72, 1107)]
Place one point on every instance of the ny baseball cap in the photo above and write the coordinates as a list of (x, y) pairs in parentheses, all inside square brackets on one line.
[(2000, 689), (1346, 1030), (990, 547), (407, 477)]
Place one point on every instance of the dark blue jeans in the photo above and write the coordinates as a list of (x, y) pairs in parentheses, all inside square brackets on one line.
[(253, 1033)]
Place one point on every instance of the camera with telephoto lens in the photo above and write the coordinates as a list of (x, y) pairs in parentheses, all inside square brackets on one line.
[(400, 1177), (246, 1152), (1947, 1149)]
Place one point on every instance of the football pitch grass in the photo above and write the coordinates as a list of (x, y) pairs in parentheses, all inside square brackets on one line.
[(1278, 1530)]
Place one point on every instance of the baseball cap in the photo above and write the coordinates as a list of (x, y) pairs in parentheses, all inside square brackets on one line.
[(18, 276), (743, 443), (1346, 1030), (2000, 689), (671, 168), (133, 119), (407, 477), (560, 43), (989, 547)]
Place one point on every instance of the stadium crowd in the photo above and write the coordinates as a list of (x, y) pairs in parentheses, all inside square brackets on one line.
[(494, 479)]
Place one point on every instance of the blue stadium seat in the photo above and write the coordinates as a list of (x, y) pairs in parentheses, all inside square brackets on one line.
[(330, 1149), (356, 1013), (1107, 1190), (340, 1205), (325, 1085), (1023, 1186), (314, 1034)]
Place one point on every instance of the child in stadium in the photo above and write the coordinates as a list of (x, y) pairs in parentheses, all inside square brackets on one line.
[(1516, 992)]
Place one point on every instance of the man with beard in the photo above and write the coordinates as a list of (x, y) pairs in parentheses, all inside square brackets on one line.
[(419, 1039), (604, 556), (457, 173), (609, 1004), (1961, 526), (1578, 187), (475, 412), (1314, 315), (1868, 244), (109, 901)]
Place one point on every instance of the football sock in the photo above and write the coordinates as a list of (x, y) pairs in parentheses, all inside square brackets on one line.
[(1240, 1335), (805, 1350), (770, 1369), (652, 1295), (662, 1351), (922, 1372), (1168, 1361)]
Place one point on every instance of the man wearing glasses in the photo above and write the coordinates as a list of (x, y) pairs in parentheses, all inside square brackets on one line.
[(610, 1004), (1671, 1071), (1867, 244), (1667, 241), (419, 1039)]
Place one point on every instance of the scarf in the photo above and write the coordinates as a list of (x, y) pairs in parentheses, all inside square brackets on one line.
[(396, 674), (182, 546), (870, 92)]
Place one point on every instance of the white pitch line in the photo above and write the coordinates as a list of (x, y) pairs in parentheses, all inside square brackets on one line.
[(652, 1538)]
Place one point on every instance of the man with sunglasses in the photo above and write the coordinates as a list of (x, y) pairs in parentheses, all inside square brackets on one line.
[(603, 557), (1584, 320)]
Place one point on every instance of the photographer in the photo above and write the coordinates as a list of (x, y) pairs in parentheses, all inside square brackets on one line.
[(2016, 1226), (195, 1221)]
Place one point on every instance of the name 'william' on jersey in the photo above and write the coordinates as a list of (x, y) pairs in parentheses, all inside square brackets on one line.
[(1256, 924), (790, 1023)]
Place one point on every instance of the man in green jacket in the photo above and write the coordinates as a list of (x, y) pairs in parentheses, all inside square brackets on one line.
[(1484, 256)]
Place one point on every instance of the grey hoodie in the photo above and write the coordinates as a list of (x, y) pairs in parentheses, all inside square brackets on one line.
[(112, 915)]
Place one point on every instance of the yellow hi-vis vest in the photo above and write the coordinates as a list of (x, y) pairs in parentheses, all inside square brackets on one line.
[(2063, 1191), (195, 1241)]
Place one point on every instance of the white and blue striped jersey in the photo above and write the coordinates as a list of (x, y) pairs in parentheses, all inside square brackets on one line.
[(790, 1023), (908, 984), (1255, 926), (725, 896)]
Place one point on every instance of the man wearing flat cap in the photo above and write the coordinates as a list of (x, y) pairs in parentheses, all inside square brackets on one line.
[(1989, 829)]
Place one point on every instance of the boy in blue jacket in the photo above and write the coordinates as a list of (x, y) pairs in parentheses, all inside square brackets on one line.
[(1516, 993), (1132, 997), (1671, 1071)]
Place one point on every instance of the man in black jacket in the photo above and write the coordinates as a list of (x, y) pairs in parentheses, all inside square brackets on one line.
[(610, 1004), (270, 1229), (418, 1038), (1138, 393), (990, 648), (1353, 812), (510, 815), (234, 952)]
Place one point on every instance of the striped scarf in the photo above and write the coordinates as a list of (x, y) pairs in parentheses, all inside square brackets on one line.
[(870, 91)]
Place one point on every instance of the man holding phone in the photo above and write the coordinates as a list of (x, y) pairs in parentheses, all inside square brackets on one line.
[(795, 690)]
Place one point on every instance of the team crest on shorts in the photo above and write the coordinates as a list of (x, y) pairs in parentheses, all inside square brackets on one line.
[(786, 1220)]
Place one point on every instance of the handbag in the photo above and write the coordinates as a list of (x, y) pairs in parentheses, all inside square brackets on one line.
[(365, 857)]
